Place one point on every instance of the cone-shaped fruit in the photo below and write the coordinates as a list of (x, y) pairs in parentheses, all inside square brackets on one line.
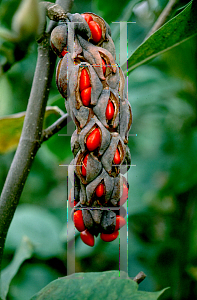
[(87, 238)]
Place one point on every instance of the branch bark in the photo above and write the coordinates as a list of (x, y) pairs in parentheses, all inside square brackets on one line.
[(31, 136)]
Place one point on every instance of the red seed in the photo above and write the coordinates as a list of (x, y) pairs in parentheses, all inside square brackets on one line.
[(86, 96), (64, 52), (109, 237), (78, 220), (117, 157), (120, 222), (124, 196), (84, 80), (93, 140), (87, 17), (96, 31), (83, 168), (87, 238), (109, 113), (100, 190), (103, 66)]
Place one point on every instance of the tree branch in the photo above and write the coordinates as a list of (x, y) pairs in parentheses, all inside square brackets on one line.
[(31, 136), (139, 277), (163, 17)]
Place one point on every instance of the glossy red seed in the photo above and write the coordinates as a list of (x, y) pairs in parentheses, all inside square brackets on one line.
[(78, 220), (109, 237), (109, 113), (103, 66), (96, 31), (86, 96), (117, 157), (64, 52), (93, 140), (100, 190), (87, 238), (120, 222), (83, 168), (87, 17), (84, 82), (124, 196)]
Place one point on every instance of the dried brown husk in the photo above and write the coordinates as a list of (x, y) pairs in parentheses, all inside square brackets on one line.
[(100, 108), (108, 187), (105, 135), (125, 120), (93, 167), (108, 156), (59, 39)]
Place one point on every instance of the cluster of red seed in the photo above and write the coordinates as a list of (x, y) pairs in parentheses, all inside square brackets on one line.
[(98, 106)]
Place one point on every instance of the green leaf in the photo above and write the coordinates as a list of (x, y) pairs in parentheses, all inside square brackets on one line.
[(11, 127), (171, 34), (41, 226), (24, 252), (95, 286)]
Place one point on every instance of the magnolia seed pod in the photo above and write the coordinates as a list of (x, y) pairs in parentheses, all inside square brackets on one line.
[(81, 116), (108, 221), (107, 160), (113, 79), (59, 39)]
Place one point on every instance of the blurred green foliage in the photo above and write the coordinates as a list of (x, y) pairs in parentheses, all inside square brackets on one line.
[(162, 210)]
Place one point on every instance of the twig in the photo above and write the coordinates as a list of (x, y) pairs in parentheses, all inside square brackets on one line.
[(31, 136), (139, 277), (163, 17), (55, 127), (54, 11)]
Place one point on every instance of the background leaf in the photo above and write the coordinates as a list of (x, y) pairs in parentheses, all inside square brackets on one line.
[(11, 127), (24, 252), (40, 226), (171, 34), (105, 285)]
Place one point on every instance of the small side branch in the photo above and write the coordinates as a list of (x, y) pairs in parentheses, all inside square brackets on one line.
[(163, 17), (55, 127), (139, 277)]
